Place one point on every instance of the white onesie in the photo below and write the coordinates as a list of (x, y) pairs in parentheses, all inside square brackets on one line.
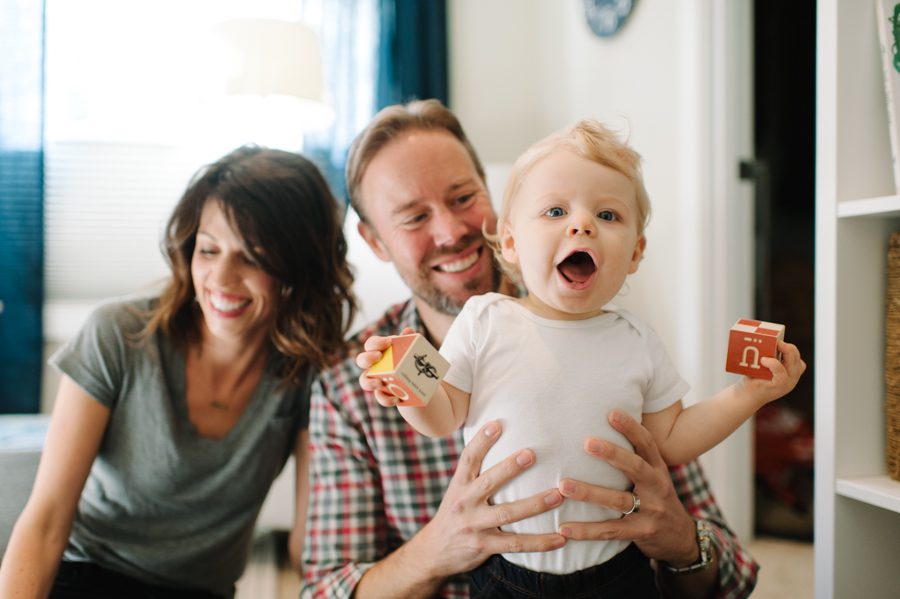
[(551, 385)]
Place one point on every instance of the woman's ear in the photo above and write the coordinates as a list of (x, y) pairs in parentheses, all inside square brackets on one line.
[(508, 243)]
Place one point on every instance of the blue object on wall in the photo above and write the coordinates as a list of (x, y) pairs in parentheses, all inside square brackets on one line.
[(606, 17), (21, 204), (413, 51)]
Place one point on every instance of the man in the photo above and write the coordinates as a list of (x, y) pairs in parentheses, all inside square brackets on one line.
[(388, 517)]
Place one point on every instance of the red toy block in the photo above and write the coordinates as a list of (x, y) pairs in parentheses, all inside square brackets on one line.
[(750, 340), (412, 369)]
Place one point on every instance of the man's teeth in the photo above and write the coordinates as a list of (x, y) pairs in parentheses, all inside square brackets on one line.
[(459, 265), (224, 305)]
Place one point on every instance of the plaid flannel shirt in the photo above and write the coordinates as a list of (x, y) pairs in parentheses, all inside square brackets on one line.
[(376, 482)]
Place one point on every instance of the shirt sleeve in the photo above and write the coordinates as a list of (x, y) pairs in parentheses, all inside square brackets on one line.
[(346, 526), (458, 349), (666, 385), (95, 357), (738, 570)]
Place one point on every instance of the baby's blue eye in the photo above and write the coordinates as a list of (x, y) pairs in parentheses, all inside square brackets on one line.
[(607, 215), (555, 212)]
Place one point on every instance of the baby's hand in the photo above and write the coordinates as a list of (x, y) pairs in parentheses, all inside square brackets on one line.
[(375, 348), (785, 375)]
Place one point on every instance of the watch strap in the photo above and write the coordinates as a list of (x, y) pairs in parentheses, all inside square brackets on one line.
[(704, 541)]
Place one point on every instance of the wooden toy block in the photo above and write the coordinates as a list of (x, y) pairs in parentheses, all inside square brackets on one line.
[(750, 340), (412, 369)]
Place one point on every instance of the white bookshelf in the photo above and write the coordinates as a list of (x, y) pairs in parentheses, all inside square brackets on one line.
[(857, 519), (886, 207), (882, 491)]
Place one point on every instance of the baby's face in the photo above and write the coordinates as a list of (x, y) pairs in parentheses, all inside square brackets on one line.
[(573, 231)]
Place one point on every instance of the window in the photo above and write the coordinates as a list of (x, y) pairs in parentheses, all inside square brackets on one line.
[(134, 94)]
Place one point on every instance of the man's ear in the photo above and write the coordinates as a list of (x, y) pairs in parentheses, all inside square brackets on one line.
[(508, 244), (639, 248), (368, 233)]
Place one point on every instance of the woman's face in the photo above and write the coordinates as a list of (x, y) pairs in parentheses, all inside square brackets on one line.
[(237, 298)]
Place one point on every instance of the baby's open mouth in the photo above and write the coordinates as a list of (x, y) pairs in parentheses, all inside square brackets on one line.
[(577, 268)]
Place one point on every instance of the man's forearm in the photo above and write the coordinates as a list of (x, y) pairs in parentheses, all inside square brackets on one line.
[(400, 575)]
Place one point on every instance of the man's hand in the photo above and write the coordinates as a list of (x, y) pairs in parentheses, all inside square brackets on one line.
[(465, 530), (662, 528)]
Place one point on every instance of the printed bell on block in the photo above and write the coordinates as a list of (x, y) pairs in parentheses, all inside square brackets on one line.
[(750, 340), (411, 368)]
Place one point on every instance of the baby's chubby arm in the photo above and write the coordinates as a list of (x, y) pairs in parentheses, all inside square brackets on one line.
[(443, 415), (682, 435)]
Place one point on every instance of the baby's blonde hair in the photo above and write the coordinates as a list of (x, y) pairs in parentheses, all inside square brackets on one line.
[(591, 139)]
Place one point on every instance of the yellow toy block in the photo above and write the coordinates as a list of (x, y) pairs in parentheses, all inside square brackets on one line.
[(411, 368)]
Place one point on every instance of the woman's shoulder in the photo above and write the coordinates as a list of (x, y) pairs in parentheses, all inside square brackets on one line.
[(127, 314)]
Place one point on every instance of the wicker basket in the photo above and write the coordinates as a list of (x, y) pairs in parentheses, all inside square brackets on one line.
[(892, 358)]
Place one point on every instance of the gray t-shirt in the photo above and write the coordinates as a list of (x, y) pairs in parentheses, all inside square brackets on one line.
[(163, 504)]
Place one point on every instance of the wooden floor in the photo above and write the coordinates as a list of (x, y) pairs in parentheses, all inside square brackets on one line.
[(786, 569)]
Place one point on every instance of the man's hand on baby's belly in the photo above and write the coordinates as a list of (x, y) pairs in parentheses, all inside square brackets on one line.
[(466, 529), (662, 527)]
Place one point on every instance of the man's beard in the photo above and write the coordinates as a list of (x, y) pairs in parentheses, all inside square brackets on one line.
[(422, 286)]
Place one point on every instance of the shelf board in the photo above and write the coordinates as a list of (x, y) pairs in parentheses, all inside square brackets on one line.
[(881, 491), (870, 207)]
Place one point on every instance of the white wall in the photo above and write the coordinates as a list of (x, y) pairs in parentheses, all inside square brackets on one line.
[(522, 69)]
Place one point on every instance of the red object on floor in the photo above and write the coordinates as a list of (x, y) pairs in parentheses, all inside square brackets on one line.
[(784, 442)]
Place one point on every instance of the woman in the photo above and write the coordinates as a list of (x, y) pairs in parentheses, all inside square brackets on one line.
[(175, 413)]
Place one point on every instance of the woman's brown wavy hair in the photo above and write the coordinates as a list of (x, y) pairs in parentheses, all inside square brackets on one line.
[(280, 206)]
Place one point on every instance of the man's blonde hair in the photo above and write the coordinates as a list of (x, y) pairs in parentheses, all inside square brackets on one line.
[(389, 124), (596, 142)]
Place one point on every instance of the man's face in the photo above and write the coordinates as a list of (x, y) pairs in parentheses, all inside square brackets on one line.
[(425, 205)]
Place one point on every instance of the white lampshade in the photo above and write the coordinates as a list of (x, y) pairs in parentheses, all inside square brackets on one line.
[(278, 79)]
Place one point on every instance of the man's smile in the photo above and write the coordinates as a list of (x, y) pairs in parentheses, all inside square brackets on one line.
[(460, 264)]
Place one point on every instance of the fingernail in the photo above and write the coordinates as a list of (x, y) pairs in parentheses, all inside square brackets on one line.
[(553, 498), (491, 429), (594, 446), (565, 531), (569, 488), (618, 416), (557, 543), (524, 459)]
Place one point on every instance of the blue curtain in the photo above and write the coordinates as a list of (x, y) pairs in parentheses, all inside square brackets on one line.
[(349, 32), (375, 53), (413, 55), (21, 204)]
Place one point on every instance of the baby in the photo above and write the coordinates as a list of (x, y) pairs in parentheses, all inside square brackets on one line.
[(552, 364)]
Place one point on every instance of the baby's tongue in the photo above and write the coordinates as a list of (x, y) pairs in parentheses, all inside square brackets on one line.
[(577, 267)]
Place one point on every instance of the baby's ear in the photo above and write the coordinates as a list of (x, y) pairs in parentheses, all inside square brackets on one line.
[(638, 254), (508, 243)]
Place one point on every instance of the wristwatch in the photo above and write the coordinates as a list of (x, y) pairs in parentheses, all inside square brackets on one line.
[(704, 541)]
